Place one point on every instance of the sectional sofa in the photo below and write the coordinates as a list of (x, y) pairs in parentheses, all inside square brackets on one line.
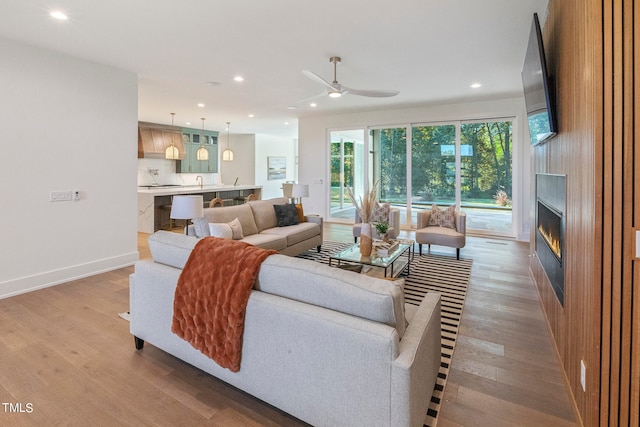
[(259, 226), (328, 346)]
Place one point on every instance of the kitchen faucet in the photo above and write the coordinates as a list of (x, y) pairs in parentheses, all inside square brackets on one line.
[(199, 179)]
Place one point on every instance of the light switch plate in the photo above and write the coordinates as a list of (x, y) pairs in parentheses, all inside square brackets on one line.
[(60, 196)]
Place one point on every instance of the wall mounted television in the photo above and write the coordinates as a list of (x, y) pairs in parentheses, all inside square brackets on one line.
[(538, 89)]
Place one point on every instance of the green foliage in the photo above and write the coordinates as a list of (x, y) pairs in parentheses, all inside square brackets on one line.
[(485, 161)]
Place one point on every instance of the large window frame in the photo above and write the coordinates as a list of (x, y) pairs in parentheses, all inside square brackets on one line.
[(409, 211)]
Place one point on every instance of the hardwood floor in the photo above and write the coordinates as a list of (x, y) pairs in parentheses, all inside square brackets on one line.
[(67, 354)]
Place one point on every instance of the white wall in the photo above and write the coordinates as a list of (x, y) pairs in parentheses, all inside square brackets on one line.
[(269, 145), (243, 164), (314, 151), (67, 124)]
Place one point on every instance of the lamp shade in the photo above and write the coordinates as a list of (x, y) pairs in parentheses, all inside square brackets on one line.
[(186, 207), (202, 154), (287, 190), (300, 190), (172, 153), (227, 155)]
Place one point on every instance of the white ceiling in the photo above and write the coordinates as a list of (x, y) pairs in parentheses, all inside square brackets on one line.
[(429, 50)]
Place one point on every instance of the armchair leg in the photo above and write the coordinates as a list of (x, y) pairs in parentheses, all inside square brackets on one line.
[(458, 253), (420, 247), (355, 239), (318, 248)]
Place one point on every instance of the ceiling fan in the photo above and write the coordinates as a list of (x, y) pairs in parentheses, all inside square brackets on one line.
[(336, 90)]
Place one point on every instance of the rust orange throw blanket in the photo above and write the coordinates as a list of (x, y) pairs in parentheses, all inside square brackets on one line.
[(211, 297)]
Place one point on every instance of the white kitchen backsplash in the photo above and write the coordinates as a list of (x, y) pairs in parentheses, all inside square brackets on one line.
[(161, 171)]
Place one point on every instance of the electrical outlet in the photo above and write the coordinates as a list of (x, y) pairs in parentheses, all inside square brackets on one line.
[(60, 196), (583, 376)]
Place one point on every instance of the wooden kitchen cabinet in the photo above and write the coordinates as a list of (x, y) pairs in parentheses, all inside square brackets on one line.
[(154, 139)]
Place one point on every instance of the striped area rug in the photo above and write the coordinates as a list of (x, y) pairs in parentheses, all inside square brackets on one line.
[(429, 273)]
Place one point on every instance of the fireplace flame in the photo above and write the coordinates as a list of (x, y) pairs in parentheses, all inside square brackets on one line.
[(552, 242)]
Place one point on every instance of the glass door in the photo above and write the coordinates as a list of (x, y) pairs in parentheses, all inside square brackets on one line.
[(486, 176), (347, 170)]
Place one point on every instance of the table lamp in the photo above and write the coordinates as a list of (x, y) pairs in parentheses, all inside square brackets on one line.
[(299, 191), (186, 207)]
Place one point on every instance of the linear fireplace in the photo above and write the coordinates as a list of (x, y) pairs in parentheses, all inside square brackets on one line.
[(550, 224)]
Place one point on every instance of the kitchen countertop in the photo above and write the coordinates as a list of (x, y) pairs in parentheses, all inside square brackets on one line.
[(191, 189)]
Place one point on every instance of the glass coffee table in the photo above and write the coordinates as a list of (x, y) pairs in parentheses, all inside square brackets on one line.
[(390, 266)]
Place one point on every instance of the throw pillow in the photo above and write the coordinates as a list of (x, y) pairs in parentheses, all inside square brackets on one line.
[(236, 229), (300, 212), (442, 218), (220, 230), (286, 214), (201, 227), (380, 212)]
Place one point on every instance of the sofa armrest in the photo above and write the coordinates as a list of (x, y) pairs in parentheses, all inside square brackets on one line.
[(394, 222), (415, 370), (461, 222), (315, 219), (423, 218)]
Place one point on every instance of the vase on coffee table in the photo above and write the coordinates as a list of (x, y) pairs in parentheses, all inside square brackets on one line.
[(366, 239)]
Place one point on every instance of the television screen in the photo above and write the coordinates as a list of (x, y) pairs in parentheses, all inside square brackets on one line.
[(538, 95)]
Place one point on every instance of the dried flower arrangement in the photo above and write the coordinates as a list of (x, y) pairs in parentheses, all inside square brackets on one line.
[(365, 205)]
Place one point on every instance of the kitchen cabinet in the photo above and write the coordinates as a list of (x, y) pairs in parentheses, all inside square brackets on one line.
[(193, 139), (154, 139), (191, 164)]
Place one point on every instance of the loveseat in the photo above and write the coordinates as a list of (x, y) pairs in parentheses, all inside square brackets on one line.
[(259, 226), (328, 346)]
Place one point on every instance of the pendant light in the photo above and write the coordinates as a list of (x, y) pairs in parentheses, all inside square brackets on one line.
[(202, 153), (227, 154), (172, 152)]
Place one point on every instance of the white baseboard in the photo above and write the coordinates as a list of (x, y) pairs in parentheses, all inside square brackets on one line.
[(46, 279)]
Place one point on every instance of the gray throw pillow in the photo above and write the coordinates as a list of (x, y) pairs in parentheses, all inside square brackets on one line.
[(286, 214)]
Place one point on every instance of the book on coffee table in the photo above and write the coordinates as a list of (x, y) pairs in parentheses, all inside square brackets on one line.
[(383, 249)]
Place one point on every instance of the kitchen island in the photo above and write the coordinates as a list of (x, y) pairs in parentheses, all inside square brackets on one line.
[(154, 202)]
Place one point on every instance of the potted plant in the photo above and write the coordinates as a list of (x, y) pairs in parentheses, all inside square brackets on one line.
[(381, 229)]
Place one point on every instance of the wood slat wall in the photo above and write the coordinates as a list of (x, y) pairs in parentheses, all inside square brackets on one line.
[(591, 52)]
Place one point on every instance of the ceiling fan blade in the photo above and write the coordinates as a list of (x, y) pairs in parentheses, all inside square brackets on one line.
[(371, 93), (313, 97), (316, 78)]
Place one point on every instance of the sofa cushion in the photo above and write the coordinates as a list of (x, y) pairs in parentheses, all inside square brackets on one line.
[(222, 230), (442, 217), (226, 214), (333, 288), (264, 214), (286, 214), (267, 241), (301, 217), (380, 212), (171, 249), (201, 227), (295, 233)]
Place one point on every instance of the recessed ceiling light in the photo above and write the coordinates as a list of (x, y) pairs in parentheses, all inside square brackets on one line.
[(286, 123), (188, 123), (201, 105), (251, 115), (238, 78), (475, 85), (313, 104), (59, 15)]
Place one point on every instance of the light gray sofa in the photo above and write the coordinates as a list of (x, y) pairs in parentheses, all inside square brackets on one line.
[(260, 226), (328, 346)]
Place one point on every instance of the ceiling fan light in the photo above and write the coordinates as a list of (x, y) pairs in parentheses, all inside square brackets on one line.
[(335, 94), (202, 154)]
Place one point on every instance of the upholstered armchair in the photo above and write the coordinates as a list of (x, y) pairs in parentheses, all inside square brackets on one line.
[(452, 232), (394, 224)]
